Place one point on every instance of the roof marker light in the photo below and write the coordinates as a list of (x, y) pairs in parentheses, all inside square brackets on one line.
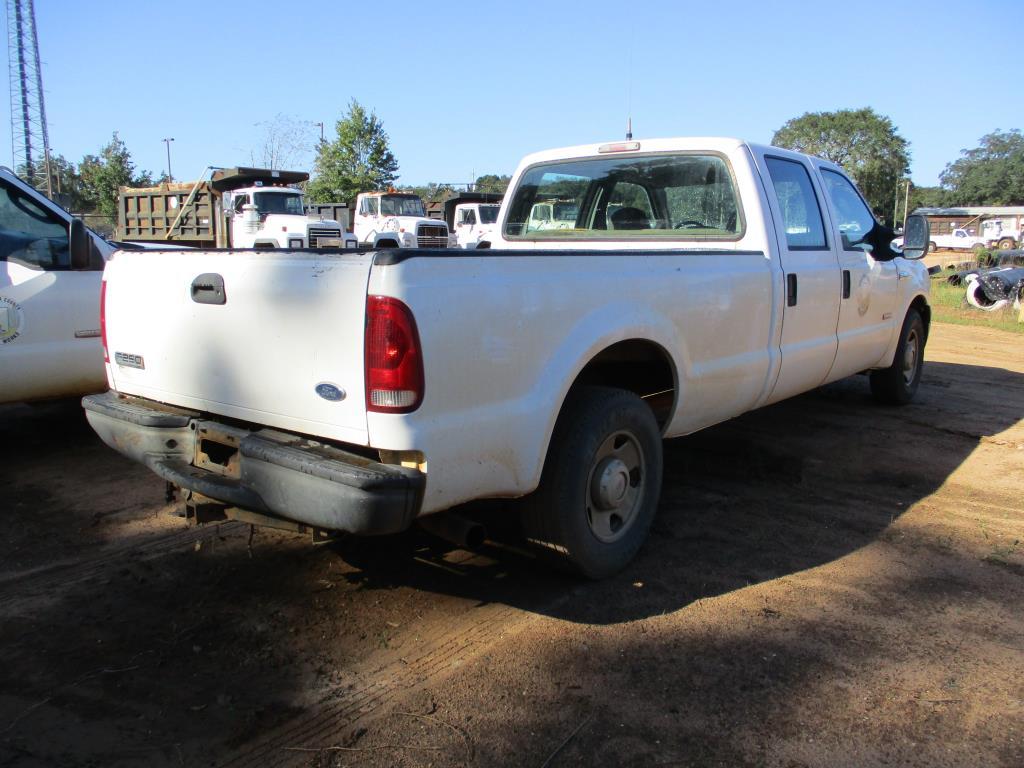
[(619, 146)]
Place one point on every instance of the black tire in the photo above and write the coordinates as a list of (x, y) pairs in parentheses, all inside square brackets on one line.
[(600, 486), (1006, 244), (897, 384), (931, 245)]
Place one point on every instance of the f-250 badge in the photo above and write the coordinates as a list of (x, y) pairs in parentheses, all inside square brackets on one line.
[(12, 320)]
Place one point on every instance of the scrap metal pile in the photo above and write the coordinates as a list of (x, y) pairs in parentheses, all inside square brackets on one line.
[(993, 287)]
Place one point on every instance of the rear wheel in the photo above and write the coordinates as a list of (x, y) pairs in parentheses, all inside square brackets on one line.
[(897, 384), (1006, 244), (600, 486)]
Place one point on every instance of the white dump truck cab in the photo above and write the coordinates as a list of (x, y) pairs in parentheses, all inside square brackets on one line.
[(275, 217), (553, 214), (475, 223), (396, 220)]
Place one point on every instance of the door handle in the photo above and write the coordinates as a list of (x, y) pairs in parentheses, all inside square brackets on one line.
[(846, 283), (790, 290), (208, 288)]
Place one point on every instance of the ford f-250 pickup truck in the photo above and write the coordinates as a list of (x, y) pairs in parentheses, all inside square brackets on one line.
[(357, 392)]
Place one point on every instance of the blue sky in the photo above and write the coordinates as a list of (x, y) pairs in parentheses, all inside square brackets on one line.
[(468, 88)]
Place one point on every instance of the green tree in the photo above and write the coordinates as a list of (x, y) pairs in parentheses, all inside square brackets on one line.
[(491, 182), (863, 142), (990, 174), (358, 160), (927, 197), (104, 174)]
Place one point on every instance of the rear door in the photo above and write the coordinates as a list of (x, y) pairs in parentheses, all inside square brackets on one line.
[(811, 267), (49, 312), (270, 337)]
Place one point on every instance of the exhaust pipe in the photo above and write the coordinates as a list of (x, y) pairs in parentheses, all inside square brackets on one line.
[(457, 530)]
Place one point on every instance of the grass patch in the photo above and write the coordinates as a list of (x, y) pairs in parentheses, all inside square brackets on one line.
[(949, 305)]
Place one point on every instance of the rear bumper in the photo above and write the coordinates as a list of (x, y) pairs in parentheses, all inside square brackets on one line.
[(263, 471)]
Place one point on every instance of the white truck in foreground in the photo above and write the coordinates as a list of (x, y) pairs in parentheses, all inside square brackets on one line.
[(397, 220), (358, 392), (51, 267)]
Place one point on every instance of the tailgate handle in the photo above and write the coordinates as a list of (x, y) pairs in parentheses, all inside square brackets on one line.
[(208, 288)]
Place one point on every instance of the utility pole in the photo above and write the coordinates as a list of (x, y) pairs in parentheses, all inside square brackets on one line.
[(906, 204), (321, 127), (170, 177)]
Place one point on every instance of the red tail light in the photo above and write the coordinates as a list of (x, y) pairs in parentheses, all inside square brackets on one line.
[(394, 360), (103, 320)]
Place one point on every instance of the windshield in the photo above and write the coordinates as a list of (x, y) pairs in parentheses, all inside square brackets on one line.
[(279, 202), (401, 205), (681, 196), (488, 214)]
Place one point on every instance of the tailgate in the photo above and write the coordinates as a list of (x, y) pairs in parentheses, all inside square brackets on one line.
[(270, 337)]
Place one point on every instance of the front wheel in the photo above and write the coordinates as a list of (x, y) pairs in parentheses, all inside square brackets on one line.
[(897, 384), (600, 486)]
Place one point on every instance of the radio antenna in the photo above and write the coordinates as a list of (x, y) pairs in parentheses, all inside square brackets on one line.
[(629, 85)]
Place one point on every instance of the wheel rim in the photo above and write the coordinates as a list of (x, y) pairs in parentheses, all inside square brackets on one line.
[(910, 354), (615, 486)]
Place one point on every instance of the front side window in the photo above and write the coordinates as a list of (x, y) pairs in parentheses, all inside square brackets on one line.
[(279, 202), (801, 214), (30, 234), (368, 207), (853, 216), (668, 196)]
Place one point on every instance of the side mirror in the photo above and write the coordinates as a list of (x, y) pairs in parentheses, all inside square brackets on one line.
[(79, 245), (915, 237)]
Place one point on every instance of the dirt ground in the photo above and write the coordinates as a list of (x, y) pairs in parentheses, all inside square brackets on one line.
[(828, 583)]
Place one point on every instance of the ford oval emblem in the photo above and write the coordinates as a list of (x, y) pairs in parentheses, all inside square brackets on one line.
[(330, 392)]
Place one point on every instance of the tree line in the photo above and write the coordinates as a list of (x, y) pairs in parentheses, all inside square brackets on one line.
[(358, 158)]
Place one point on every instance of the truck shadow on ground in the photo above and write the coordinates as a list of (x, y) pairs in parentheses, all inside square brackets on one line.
[(774, 492), (182, 658)]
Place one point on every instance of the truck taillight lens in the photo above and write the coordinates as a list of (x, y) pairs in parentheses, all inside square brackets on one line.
[(103, 320), (394, 362)]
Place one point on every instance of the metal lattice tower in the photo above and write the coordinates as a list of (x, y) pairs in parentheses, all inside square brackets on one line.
[(30, 140)]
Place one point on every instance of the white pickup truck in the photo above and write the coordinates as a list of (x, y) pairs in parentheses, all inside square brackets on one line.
[(50, 271), (358, 392)]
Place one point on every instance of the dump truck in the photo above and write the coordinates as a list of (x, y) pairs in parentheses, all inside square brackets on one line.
[(234, 208)]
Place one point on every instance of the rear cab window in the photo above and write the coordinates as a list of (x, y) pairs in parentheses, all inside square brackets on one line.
[(669, 196)]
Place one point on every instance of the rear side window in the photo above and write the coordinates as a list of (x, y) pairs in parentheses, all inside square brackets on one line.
[(30, 234), (801, 214), (680, 196)]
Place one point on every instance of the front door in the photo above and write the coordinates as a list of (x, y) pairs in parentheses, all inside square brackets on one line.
[(870, 286), (49, 313)]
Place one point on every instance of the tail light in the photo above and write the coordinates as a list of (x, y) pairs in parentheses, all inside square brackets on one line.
[(394, 360), (103, 320)]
